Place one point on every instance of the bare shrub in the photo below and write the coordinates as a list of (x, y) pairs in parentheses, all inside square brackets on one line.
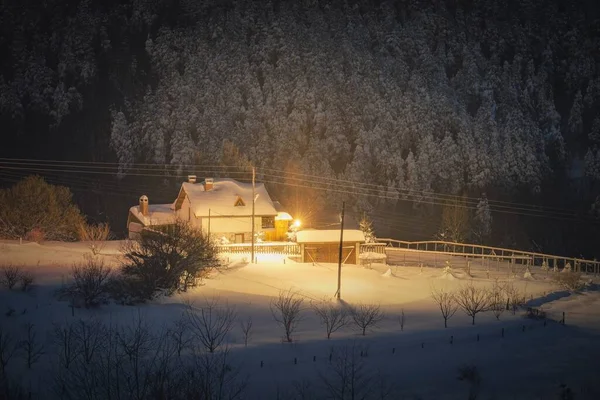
[(570, 281), (10, 275), (332, 316), (89, 282), (496, 299), (26, 280), (246, 330), (366, 316), (472, 300), (31, 346), (95, 235), (514, 297), (286, 310), (211, 323), (446, 301), (66, 344)]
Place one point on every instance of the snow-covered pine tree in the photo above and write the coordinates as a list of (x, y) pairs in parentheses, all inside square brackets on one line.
[(483, 219), (366, 226)]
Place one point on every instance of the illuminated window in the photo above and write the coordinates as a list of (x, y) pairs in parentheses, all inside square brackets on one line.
[(268, 222)]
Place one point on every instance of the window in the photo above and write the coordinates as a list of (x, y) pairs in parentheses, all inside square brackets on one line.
[(268, 222), (239, 202)]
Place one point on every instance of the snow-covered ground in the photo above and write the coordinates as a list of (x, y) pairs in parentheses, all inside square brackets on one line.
[(529, 362)]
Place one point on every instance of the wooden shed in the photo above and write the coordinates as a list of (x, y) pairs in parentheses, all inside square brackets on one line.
[(323, 246)]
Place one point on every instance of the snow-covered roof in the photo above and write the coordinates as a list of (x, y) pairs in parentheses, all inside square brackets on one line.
[(329, 236), (283, 216), (158, 214), (223, 196)]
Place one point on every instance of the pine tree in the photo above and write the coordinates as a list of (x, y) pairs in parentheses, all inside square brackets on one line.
[(483, 219), (366, 226)]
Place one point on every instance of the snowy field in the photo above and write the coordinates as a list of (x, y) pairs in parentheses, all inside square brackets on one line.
[(516, 357)]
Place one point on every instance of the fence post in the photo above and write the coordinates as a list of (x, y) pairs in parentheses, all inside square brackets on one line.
[(478, 337), (451, 339)]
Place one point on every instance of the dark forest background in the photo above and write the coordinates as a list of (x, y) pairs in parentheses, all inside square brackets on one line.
[(416, 113)]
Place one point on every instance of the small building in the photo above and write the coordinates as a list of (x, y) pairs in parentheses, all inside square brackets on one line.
[(323, 246), (283, 221), (219, 207)]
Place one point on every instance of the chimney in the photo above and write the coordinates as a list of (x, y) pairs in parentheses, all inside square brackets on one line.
[(144, 205), (208, 184), (192, 178)]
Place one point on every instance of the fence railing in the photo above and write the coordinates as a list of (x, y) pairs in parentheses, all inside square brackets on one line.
[(378, 248), (486, 252), (284, 248)]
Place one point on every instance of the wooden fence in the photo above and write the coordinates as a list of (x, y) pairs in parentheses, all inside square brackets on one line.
[(498, 253), (284, 248)]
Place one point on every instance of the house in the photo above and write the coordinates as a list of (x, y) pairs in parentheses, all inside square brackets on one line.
[(323, 246), (220, 207)]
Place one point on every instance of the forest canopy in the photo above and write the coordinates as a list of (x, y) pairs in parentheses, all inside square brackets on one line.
[(416, 97)]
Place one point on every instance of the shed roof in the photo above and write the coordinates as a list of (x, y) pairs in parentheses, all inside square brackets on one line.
[(329, 236)]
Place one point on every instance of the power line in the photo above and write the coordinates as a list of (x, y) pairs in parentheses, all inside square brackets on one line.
[(218, 168), (312, 184)]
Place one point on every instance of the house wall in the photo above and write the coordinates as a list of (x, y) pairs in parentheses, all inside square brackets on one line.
[(229, 226)]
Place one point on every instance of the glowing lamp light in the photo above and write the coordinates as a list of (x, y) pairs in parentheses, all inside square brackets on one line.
[(297, 223)]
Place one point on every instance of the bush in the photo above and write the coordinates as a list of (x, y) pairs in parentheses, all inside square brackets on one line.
[(36, 210), (570, 281), (166, 262), (36, 235), (26, 279), (95, 235), (366, 316), (90, 282), (10, 275)]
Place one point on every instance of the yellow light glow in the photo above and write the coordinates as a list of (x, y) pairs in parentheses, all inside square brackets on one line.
[(297, 223)]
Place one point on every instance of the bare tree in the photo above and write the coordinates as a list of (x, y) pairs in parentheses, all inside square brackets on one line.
[(31, 345), (212, 376), (515, 298), (472, 300), (95, 235), (246, 330), (179, 334), (26, 279), (496, 299), (65, 341), (331, 315), (90, 336), (366, 316), (90, 281), (470, 374), (348, 376), (446, 301), (211, 323), (8, 348), (286, 310), (10, 275)]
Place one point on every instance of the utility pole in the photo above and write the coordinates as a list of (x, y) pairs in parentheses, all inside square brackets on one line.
[(339, 287), (209, 223), (253, 201)]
